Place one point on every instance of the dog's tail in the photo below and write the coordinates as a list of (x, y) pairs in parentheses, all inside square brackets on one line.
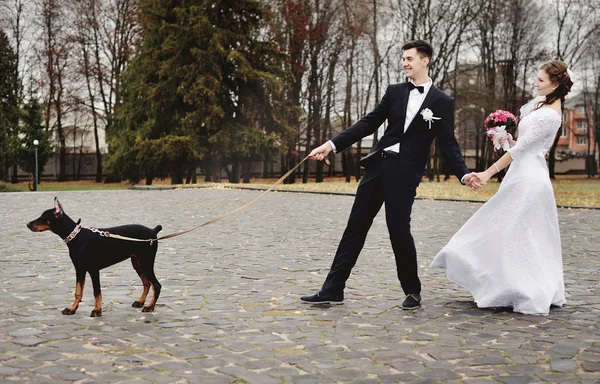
[(157, 229)]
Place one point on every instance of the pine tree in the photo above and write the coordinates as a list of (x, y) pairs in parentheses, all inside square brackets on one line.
[(32, 128), (207, 83), (9, 106)]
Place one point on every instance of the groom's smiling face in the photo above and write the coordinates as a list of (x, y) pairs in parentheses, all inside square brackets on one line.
[(414, 64)]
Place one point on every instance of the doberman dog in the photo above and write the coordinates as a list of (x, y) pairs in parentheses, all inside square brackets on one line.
[(92, 249)]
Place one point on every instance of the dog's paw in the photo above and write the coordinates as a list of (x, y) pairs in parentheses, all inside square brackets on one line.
[(96, 313), (137, 304), (148, 309), (68, 311)]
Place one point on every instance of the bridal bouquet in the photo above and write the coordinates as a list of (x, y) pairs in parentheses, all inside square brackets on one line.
[(496, 124)]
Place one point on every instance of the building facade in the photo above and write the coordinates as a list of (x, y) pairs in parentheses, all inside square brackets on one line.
[(577, 133)]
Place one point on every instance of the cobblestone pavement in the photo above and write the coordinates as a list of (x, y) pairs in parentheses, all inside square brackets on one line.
[(229, 311)]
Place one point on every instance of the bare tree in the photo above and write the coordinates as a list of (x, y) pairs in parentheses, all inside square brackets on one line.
[(107, 34), (292, 31), (520, 45), (15, 21), (577, 21), (591, 98), (54, 55), (18, 25), (321, 34)]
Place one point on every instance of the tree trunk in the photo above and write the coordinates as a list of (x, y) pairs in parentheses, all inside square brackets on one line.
[(289, 162), (15, 178), (247, 172), (176, 174), (319, 172), (62, 162), (79, 165), (98, 166), (194, 172), (215, 169), (206, 166), (347, 165), (234, 177)]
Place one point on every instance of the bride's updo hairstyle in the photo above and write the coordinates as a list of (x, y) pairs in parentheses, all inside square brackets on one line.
[(559, 74)]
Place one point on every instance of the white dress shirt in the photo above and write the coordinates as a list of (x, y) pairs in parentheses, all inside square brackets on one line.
[(415, 101)]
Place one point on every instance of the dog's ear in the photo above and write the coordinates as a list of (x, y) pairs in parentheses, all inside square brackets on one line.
[(58, 209)]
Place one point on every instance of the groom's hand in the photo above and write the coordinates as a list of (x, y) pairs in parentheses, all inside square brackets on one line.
[(468, 179), (320, 152), (473, 181)]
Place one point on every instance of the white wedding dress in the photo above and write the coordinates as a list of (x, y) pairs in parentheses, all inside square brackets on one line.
[(508, 254)]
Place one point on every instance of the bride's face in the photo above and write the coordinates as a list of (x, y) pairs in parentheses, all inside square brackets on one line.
[(543, 84)]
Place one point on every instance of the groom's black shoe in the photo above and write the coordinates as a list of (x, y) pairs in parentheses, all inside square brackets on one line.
[(320, 298), (412, 301)]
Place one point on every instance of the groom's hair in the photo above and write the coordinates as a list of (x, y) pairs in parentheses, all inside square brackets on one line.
[(423, 48)]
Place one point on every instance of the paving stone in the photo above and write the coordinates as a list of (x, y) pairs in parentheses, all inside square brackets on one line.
[(22, 363), (563, 365), (563, 351), (25, 332), (211, 379), (517, 379), (47, 356), (71, 376), (247, 375), (311, 379), (28, 341), (481, 371), (524, 369), (7, 371), (591, 366)]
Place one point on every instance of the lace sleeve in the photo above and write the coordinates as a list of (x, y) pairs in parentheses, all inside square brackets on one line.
[(541, 131)]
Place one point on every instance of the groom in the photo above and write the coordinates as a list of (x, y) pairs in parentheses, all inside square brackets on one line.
[(417, 112)]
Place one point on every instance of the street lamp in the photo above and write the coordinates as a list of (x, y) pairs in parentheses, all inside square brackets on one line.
[(36, 180)]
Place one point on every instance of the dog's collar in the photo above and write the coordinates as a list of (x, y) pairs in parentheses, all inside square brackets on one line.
[(73, 233)]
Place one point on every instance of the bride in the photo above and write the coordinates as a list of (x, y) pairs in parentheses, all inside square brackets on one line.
[(508, 254)]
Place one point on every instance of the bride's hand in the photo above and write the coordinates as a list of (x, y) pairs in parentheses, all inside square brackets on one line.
[(508, 137), (482, 178)]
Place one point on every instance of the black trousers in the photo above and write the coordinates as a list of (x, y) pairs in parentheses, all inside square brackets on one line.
[(383, 182)]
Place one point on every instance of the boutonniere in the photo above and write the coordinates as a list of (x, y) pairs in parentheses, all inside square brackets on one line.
[(428, 116)]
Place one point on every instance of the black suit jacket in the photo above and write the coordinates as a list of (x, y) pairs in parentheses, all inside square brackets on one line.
[(416, 141)]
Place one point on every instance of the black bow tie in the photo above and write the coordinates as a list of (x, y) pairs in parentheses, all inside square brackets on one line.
[(419, 88)]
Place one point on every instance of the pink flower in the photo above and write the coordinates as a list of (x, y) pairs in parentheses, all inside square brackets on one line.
[(500, 117)]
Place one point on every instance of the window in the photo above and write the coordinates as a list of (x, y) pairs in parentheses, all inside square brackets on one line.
[(581, 140), (564, 117), (582, 125), (581, 109), (563, 131)]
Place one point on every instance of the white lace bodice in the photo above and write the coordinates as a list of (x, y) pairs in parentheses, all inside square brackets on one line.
[(537, 130)]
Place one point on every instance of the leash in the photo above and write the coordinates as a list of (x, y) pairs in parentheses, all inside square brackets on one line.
[(114, 236)]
